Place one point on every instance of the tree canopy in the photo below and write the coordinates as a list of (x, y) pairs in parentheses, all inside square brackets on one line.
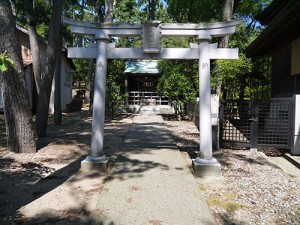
[(179, 78), (235, 75)]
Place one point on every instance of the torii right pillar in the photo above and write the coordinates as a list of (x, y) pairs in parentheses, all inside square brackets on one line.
[(205, 164)]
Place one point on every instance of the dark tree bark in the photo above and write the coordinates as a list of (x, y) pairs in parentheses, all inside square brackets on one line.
[(57, 90), (34, 45), (80, 37), (109, 11), (89, 81), (13, 7), (152, 7), (52, 50), (18, 120), (223, 43), (96, 13), (227, 16)]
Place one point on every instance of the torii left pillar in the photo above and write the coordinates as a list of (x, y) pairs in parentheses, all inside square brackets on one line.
[(97, 159)]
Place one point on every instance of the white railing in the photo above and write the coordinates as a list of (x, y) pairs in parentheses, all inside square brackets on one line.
[(147, 98)]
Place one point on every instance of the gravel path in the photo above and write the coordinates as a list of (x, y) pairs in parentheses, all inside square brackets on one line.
[(253, 191)]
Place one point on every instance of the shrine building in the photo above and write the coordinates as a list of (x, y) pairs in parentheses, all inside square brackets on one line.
[(141, 79)]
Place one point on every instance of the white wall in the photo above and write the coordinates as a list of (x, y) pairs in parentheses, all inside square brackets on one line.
[(66, 90), (66, 86)]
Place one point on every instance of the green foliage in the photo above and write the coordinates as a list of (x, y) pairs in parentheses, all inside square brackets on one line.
[(247, 9), (232, 68), (38, 10), (195, 11), (82, 69), (5, 62), (115, 97), (178, 80), (238, 77), (42, 30), (234, 74), (136, 11), (260, 79)]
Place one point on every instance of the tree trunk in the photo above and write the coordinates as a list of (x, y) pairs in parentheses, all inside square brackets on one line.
[(34, 45), (52, 51), (18, 122), (13, 7), (152, 7), (223, 42), (35, 50), (227, 16), (96, 13), (80, 37), (57, 91), (109, 11), (89, 82)]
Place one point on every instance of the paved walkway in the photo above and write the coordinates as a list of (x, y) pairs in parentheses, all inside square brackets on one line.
[(151, 182)]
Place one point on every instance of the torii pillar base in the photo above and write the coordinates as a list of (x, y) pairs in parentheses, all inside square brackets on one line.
[(206, 167), (92, 163)]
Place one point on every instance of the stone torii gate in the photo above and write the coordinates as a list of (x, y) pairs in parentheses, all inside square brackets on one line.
[(151, 34)]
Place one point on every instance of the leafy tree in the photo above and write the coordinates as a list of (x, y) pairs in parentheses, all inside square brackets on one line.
[(81, 70), (235, 74), (247, 9), (5, 62), (115, 97), (177, 82), (213, 10), (179, 78), (30, 13), (249, 74), (19, 128), (190, 11)]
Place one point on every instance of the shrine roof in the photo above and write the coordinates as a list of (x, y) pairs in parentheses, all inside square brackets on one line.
[(272, 11), (282, 28), (142, 66)]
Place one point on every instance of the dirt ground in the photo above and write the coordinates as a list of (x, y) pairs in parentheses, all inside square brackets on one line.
[(252, 190), (24, 178), (48, 187)]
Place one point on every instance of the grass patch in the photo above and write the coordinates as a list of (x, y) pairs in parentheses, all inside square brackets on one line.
[(225, 202), (202, 188)]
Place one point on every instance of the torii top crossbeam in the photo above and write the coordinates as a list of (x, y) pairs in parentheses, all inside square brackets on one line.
[(151, 34), (219, 29)]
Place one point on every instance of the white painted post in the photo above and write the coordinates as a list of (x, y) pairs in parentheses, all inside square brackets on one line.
[(97, 159), (205, 164), (99, 99), (204, 99), (296, 129)]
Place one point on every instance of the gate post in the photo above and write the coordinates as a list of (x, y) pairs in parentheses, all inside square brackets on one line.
[(205, 164), (295, 149), (96, 159)]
